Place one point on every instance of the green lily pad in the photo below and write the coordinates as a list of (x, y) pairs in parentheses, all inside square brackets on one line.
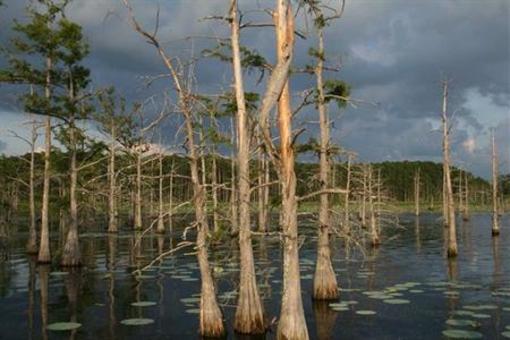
[(190, 300), (366, 312), (143, 304), (480, 316), (462, 334), (137, 322), (381, 296), (59, 273), (416, 291), (481, 307), (63, 326), (396, 301), (351, 302), (458, 322), (506, 334), (463, 312), (193, 311)]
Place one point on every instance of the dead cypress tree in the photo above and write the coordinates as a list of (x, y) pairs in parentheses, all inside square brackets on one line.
[(292, 323), (211, 321), (450, 205), (249, 316), (324, 283), (494, 162), (465, 215), (417, 192)]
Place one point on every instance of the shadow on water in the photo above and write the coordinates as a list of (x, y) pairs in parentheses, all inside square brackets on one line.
[(405, 289)]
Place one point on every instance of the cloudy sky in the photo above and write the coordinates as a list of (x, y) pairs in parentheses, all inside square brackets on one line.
[(392, 52)]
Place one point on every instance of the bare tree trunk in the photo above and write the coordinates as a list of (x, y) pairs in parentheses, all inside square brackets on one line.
[(452, 237), (466, 197), (32, 231), (417, 193), (324, 282), (234, 217), (374, 232), (292, 324), (347, 226), (249, 317), (112, 197), (161, 225), (461, 188), (214, 189), (261, 191), (445, 194), (364, 199), (171, 198), (138, 192), (495, 212), (211, 322), (71, 254), (44, 245)]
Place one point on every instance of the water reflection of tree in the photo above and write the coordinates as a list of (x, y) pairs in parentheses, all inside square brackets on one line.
[(453, 277), (110, 266), (496, 273), (417, 233), (73, 288), (44, 271), (325, 319), (31, 294)]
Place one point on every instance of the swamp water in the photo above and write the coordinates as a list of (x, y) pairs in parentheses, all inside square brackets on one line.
[(405, 289)]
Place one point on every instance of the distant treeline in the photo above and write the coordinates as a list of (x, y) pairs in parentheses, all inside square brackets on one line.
[(397, 179)]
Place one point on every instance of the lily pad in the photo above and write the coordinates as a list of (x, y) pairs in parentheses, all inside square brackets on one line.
[(506, 334), (461, 334), (59, 273), (63, 326), (366, 312), (137, 322), (143, 304), (458, 322), (193, 311), (396, 301), (481, 316), (464, 312)]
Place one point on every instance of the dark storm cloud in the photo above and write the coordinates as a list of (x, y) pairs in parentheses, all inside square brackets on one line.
[(392, 52)]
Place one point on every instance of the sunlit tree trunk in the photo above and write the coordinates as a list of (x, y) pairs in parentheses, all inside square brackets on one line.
[(71, 254), (292, 323), (138, 190), (171, 197), (249, 317), (374, 232), (466, 197), (32, 231), (417, 192), (234, 213), (211, 322), (261, 192), (44, 245), (452, 236), (495, 212), (160, 229), (214, 189), (346, 198), (112, 197), (324, 282)]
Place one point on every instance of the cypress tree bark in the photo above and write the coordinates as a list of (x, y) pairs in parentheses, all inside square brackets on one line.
[(324, 282), (249, 317)]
